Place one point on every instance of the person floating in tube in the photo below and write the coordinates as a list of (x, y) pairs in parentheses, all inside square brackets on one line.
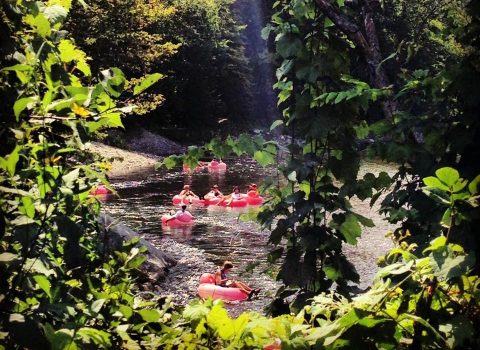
[(252, 190), (187, 195), (235, 195), (181, 215), (214, 193), (222, 280)]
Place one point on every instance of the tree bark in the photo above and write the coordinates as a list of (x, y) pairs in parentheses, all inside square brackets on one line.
[(367, 41)]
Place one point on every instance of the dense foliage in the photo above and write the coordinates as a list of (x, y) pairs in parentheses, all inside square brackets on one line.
[(335, 92), (62, 290), (196, 45)]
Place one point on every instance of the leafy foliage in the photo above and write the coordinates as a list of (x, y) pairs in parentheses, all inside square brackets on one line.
[(59, 286), (195, 44)]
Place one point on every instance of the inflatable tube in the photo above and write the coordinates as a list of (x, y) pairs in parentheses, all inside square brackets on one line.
[(197, 201), (181, 220), (217, 166), (213, 201), (99, 190), (207, 289), (254, 200), (236, 203), (179, 200), (207, 278)]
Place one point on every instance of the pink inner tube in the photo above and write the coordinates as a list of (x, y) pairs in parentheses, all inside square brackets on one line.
[(254, 200), (207, 289), (181, 220), (236, 203), (99, 190), (213, 201), (179, 200), (214, 165)]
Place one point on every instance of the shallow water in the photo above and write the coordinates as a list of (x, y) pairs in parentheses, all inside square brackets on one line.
[(218, 232)]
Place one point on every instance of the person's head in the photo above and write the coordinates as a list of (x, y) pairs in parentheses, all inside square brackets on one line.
[(227, 265), (184, 207), (215, 187), (253, 187), (186, 187), (236, 189)]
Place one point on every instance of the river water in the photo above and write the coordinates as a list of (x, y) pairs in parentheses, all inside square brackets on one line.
[(218, 233)]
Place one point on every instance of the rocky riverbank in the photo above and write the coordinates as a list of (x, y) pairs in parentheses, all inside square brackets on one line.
[(124, 163)]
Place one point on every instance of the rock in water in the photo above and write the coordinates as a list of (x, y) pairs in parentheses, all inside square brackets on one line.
[(157, 263)]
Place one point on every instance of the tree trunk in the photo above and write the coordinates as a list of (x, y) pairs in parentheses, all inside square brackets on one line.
[(366, 41)]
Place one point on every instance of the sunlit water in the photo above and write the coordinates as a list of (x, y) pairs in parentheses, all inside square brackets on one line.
[(218, 234), (218, 231)]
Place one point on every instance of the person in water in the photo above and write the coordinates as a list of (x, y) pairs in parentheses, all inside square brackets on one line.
[(214, 193), (187, 194), (235, 195), (221, 279), (252, 189), (182, 212)]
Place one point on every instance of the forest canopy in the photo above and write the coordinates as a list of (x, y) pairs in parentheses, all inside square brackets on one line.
[(392, 80)]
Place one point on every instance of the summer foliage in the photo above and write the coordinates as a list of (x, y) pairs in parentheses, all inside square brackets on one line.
[(195, 44), (61, 289)]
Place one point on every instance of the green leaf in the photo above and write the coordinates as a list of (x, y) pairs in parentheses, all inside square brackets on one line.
[(22, 103), (95, 336), (276, 124), (473, 186), (169, 162), (148, 81), (448, 175), (264, 158), (126, 311), (43, 283), (435, 182), (219, 321), (288, 45), (150, 315), (97, 305), (55, 13), (39, 24), (12, 160), (8, 257), (350, 229), (196, 312), (61, 339)]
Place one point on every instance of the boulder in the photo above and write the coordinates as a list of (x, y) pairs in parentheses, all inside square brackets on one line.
[(157, 263)]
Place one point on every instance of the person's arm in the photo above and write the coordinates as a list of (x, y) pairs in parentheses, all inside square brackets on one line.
[(218, 278)]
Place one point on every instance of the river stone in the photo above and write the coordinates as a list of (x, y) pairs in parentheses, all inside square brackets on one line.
[(157, 263)]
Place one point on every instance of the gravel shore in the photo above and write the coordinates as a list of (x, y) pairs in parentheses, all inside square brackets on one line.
[(125, 163)]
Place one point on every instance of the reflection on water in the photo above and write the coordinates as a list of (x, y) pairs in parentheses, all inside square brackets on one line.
[(217, 230)]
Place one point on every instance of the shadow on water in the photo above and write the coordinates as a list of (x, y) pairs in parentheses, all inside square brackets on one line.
[(219, 235), (218, 232)]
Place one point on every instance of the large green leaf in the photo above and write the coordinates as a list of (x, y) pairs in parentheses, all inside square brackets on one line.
[(150, 315), (21, 104), (288, 45), (146, 82), (448, 175), (43, 283)]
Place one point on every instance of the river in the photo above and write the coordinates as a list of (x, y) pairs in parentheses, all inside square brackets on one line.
[(218, 233)]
